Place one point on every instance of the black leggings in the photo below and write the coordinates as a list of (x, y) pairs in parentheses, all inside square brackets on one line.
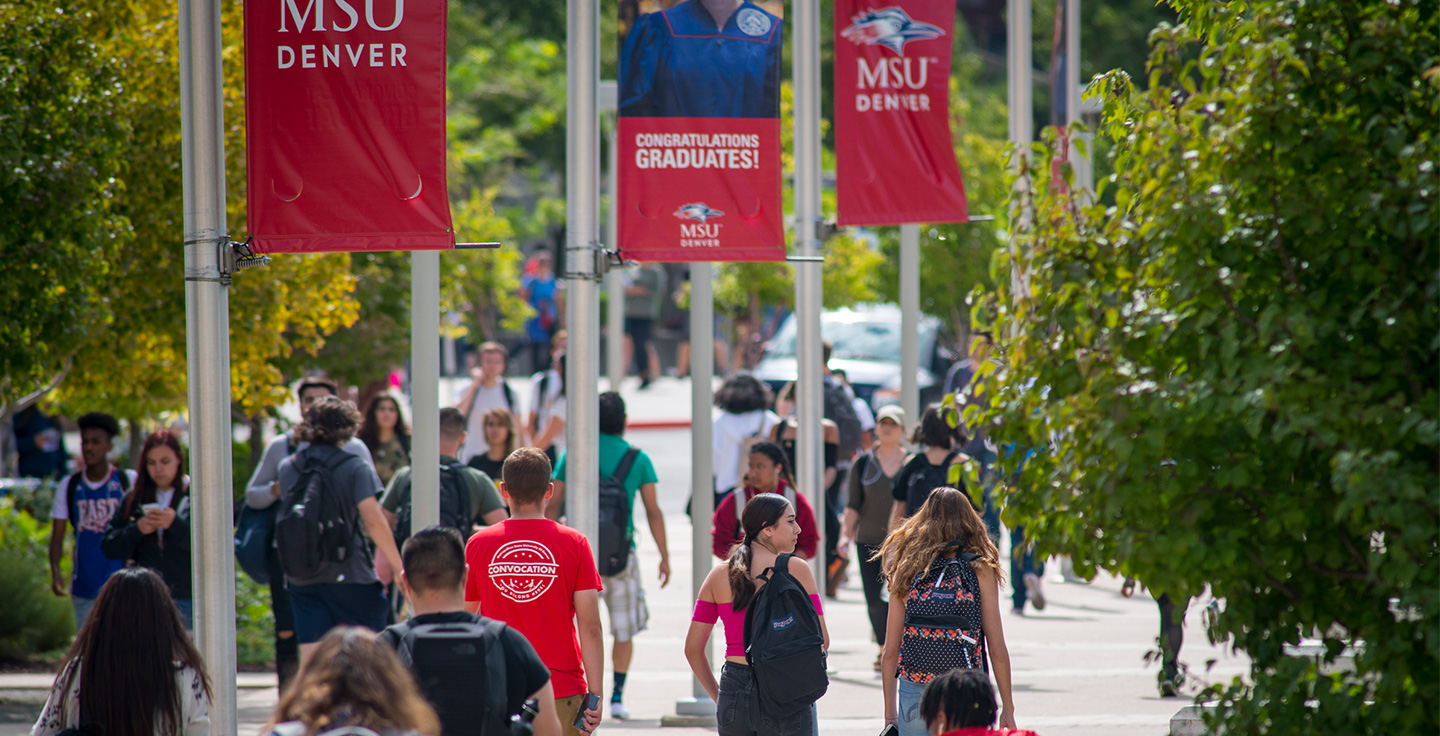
[(874, 581), (287, 649)]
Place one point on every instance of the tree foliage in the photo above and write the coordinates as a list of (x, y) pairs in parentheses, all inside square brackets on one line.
[(1229, 378), (62, 130)]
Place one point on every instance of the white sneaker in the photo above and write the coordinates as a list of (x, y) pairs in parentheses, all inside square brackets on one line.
[(1032, 587), (619, 712)]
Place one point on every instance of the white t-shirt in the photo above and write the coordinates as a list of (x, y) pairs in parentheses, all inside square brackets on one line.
[(60, 508), (486, 398), (543, 407), (863, 413), (730, 431)]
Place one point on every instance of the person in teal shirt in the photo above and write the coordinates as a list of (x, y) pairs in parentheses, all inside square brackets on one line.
[(623, 593)]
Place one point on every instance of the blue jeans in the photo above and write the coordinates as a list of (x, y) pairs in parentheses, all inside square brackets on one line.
[(738, 711), (908, 700), (1022, 560), (82, 608)]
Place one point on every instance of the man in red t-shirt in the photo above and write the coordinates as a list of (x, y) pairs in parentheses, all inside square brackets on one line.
[(540, 578)]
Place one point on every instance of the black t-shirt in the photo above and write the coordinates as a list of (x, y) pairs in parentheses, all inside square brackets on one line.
[(912, 475), (484, 464), (524, 672)]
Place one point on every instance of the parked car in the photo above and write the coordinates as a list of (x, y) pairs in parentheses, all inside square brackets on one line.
[(867, 347)]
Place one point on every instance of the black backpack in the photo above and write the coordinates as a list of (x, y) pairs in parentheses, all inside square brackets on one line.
[(918, 485), (784, 644), (943, 625), (840, 410), (455, 508), (615, 509), (460, 668), (315, 527)]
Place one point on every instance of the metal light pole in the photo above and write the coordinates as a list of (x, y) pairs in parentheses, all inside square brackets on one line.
[(809, 406), (582, 187), (207, 338), (702, 495), (910, 321), (424, 389), (614, 278), (1084, 174), (1017, 53)]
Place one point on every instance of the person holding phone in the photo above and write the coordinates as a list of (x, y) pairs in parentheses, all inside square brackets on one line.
[(771, 530), (151, 526)]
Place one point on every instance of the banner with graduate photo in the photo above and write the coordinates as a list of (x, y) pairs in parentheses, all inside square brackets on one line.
[(699, 134)]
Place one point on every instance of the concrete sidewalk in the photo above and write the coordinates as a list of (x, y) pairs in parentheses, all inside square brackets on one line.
[(665, 404), (1078, 667)]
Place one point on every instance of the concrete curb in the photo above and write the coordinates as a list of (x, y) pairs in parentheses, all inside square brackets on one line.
[(659, 424)]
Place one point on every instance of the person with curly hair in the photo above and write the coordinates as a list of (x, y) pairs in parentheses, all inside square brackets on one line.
[(944, 577), (353, 681), (131, 669), (349, 591)]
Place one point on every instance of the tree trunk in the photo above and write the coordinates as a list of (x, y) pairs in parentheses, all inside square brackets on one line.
[(137, 443), (256, 439)]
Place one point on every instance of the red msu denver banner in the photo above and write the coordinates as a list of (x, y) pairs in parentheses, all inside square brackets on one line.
[(699, 137), (345, 125), (894, 157)]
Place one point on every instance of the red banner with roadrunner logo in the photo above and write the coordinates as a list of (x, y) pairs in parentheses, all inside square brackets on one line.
[(699, 134), (345, 125), (894, 156)]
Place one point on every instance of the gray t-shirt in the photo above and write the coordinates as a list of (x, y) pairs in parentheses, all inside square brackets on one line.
[(361, 482)]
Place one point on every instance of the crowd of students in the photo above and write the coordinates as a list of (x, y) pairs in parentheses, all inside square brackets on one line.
[(505, 576)]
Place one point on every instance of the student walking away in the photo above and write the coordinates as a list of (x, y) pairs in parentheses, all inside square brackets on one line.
[(944, 576), (758, 693), (327, 495), (769, 472), (468, 497), (151, 525), (487, 390), (385, 436), (744, 420), (131, 669), (354, 681), (961, 702), (547, 388), (540, 579), (928, 468), (39, 444), (786, 434), (502, 436), (870, 494), (625, 471), (863, 414), (86, 501), (541, 291), (479, 674), (551, 432), (261, 495), (644, 286)]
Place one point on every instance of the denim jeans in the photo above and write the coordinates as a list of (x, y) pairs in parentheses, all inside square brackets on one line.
[(1022, 560), (82, 608), (738, 711), (187, 612), (908, 700)]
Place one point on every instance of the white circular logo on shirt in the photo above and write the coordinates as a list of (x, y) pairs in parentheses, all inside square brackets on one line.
[(523, 570), (752, 22)]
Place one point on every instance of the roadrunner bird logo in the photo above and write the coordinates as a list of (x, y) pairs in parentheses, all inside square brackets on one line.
[(890, 27), (698, 211)]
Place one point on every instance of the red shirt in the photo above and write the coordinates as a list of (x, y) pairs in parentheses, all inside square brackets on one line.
[(726, 530), (982, 731), (525, 572)]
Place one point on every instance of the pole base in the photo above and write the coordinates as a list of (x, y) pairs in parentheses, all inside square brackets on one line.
[(692, 713)]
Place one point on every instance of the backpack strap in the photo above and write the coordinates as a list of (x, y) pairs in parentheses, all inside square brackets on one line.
[(70, 504), (464, 478), (495, 673), (509, 395), (124, 480), (399, 636), (622, 471)]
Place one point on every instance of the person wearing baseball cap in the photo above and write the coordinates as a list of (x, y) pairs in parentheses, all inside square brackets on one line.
[(867, 513)]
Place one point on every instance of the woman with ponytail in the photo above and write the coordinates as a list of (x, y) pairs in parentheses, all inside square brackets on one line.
[(770, 530), (943, 574)]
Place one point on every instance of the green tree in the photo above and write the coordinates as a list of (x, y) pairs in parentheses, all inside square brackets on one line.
[(62, 130), (1230, 377)]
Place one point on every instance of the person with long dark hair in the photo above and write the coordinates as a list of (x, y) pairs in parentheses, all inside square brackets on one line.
[(744, 419), (944, 577), (353, 679), (132, 669), (502, 437), (962, 703), (771, 530), (769, 473), (151, 526), (386, 436)]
